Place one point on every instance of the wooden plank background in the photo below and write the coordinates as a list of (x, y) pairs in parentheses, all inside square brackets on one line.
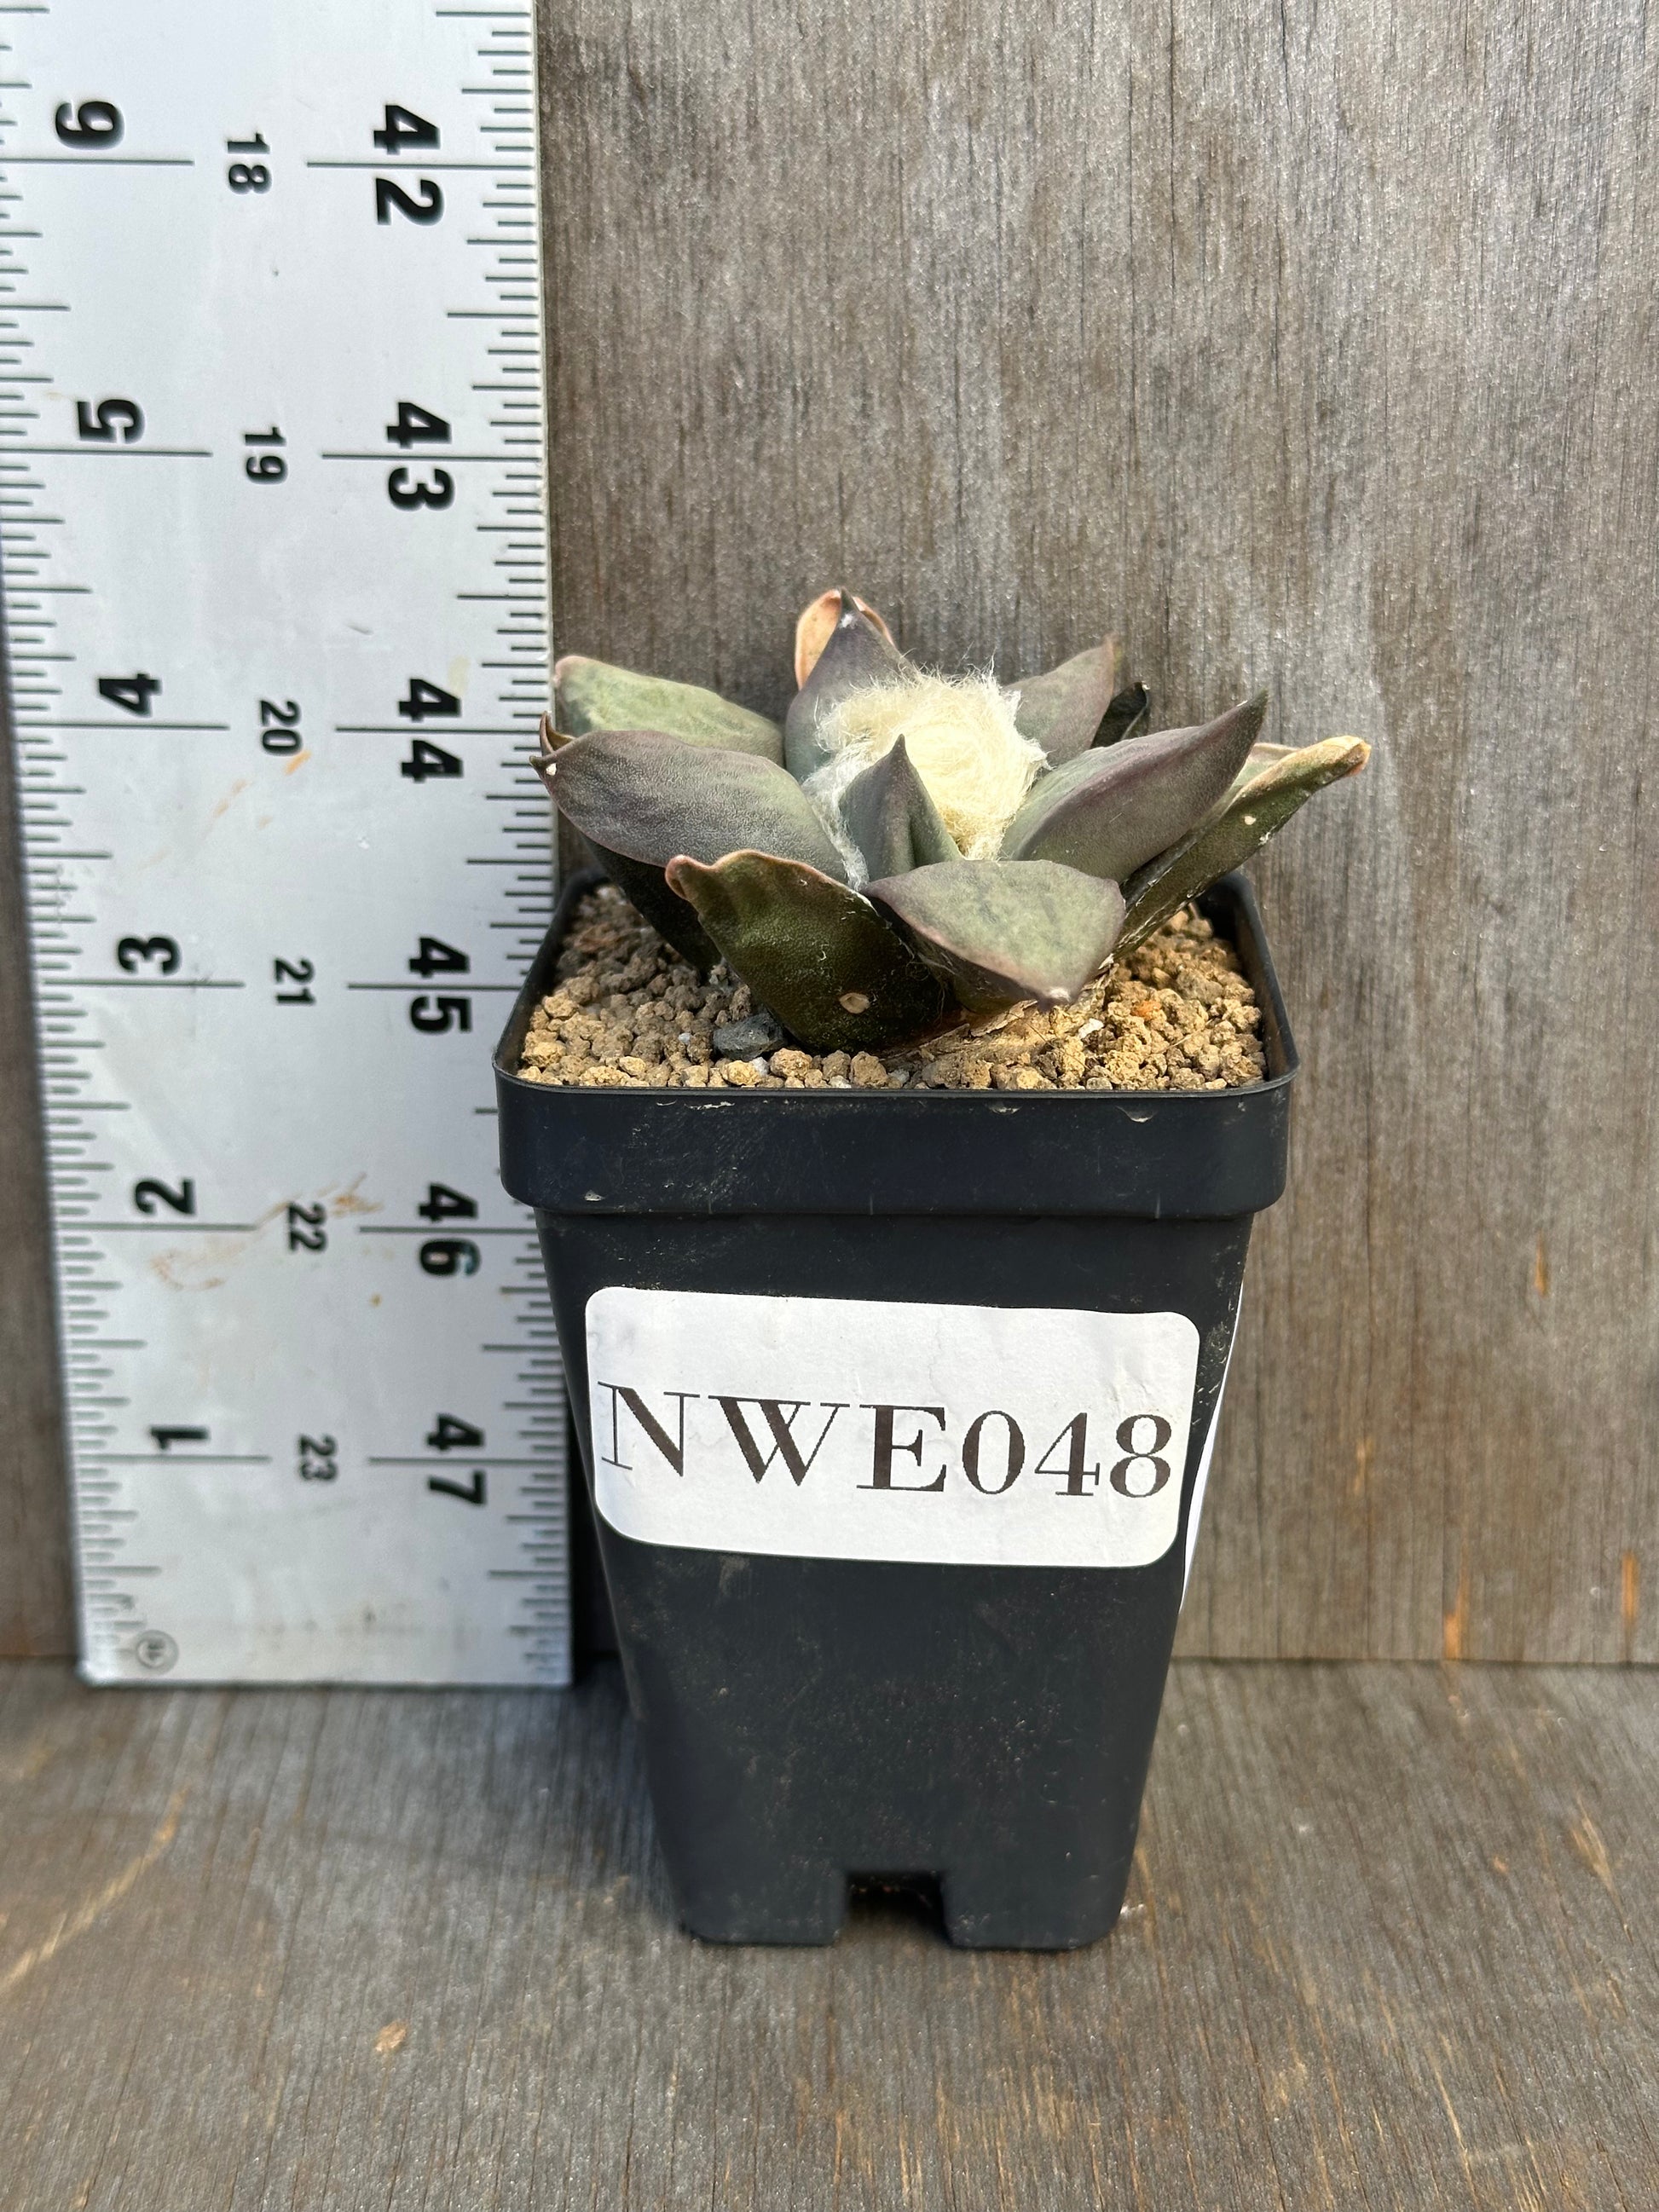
[(1304, 345)]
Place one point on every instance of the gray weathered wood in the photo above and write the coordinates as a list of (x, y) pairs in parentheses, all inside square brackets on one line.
[(1388, 1944), (1311, 345), (1303, 345)]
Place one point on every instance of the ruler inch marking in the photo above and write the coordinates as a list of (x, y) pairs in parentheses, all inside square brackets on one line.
[(221, 917)]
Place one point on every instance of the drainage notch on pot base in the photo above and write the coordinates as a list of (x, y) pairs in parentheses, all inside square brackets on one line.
[(894, 1407)]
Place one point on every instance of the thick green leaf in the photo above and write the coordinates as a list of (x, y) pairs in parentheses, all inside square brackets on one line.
[(666, 912), (1262, 755), (1128, 709), (857, 655), (649, 796), (1109, 812), (1250, 818), (1063, 708), (820, 957), (892, 820), (1002, 931), (592, 694)]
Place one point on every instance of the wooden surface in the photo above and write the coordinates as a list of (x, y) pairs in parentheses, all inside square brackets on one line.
[(1388, 1944), (1305, 345)]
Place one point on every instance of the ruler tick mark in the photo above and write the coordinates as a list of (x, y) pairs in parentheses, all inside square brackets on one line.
[(177, 857)]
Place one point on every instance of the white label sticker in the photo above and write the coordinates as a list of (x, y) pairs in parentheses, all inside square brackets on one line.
[(854, 1429)]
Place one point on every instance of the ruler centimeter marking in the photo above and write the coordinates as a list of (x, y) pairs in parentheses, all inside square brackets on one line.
[(274, 545)]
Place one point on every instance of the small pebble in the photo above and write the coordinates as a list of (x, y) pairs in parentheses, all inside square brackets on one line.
[(759, 1032), (627, 1013)]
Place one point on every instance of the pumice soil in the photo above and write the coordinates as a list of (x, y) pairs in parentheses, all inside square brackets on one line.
[(628, 1013)]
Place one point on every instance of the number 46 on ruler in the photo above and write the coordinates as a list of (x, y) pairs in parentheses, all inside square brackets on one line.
[(272, 440)]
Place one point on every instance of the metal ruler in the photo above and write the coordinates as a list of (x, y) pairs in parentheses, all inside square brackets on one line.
[(273, 539)]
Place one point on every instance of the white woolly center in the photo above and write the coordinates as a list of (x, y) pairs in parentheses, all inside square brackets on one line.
[(960, 733)]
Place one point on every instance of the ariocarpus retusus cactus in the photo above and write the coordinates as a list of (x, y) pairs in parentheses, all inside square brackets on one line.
[(909, 849)]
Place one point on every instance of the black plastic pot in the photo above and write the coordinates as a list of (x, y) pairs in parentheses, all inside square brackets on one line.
[(808, 1717)]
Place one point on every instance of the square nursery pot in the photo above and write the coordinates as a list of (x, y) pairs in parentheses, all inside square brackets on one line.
[(895, 1409)]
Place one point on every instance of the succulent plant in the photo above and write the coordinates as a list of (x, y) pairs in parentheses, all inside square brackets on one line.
[(908, 850)]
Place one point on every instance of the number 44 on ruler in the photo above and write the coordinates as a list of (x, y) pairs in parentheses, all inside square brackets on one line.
[(274, 561)]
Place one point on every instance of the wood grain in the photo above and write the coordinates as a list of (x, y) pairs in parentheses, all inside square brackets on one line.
[(1310, 346), (1306, 345), (1388, 1944)]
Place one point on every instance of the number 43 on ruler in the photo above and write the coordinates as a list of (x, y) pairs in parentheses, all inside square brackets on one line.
[(276, 604)]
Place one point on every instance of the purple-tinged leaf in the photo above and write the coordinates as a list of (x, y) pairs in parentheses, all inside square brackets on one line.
[(592, 694), (892, 820), (1107, 812), (856, 655), (1002, 931), (818, 618), (649, 796), (1063, 708), (1230, 836)]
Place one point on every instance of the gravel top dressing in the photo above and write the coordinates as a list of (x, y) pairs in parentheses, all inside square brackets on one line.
[(1176, 1015)]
